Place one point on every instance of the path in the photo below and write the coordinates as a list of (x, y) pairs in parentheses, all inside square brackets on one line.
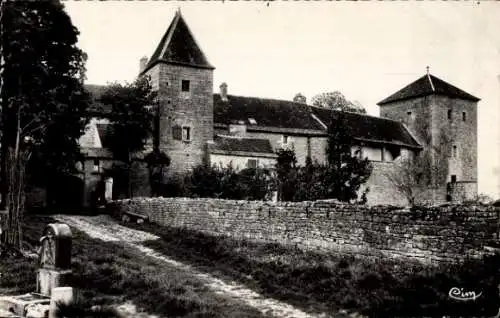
[(104, 228)]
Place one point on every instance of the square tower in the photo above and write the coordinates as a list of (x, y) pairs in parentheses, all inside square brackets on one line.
[(443, 118), (183, 78)]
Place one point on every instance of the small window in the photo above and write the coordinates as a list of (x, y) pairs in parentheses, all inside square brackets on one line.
[(464, 116), (409, 114), (449, 114), (453, 178), (177, 132), (185, 85), (186, 133), (454, 153), (97, 165), (252, 163), (285, 139)]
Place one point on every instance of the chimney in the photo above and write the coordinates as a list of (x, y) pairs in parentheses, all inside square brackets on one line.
[(223, 92), (142, 64), (299, 98)]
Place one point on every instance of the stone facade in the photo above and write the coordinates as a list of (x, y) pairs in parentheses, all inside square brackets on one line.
[(430, 235), (192, 109), (448, 126)]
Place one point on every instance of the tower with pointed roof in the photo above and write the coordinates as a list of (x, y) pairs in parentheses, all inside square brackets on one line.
[(443, 118), (183, 77)]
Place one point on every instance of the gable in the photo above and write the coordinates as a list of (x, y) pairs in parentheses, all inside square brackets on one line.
[(428, 85), (178, 46)]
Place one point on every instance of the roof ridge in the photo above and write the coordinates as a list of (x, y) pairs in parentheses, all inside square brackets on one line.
[(360, 114), (430, 81), (170, 31), (270, 99)]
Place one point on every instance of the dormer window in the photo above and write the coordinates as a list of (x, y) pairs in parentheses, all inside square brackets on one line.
[(185, 85)]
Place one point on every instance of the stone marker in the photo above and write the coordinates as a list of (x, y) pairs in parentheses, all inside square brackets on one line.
[(60, 295), (54, 271), (55, 258)]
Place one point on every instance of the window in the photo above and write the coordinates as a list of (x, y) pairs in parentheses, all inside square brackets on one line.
[(449, 114), (454, 153), (464, 116), (285, 139), (177, 132), (185, 85), (252, 163), (186, 133), (252, 121), (97, 167), (409, 115), (453, 178)]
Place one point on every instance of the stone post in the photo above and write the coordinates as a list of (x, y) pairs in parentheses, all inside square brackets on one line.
[(55, 258)]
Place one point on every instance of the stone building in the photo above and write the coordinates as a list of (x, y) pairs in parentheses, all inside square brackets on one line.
[(198, 126)]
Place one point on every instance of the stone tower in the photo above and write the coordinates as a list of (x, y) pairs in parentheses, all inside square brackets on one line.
[(183, 78), (443, 118)]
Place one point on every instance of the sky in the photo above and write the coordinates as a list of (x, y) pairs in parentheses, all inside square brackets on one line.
[(366, 50)]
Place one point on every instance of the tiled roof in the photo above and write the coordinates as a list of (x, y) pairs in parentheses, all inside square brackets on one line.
[(266, 112), (178, 46), (428, 85), (241, 144), (370, 128)]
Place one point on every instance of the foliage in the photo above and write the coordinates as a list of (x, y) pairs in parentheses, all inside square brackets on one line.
[(286, 173), (337, 101), (340, 179), (131, 117), (206, 181), (157, 161), (415, 174), (347, 171), (43, 100)]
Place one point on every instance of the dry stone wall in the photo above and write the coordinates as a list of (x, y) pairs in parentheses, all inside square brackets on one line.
[(429, 234)]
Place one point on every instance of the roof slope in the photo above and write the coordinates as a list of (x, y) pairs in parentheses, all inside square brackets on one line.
[(266, 112), (178, 46), (105, 134), (427, 85), (369, 128), (241, 144)]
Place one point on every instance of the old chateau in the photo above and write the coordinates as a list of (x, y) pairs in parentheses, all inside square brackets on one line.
[(197, 124)]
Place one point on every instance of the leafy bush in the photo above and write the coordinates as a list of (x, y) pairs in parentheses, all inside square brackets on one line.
[(206, 181)]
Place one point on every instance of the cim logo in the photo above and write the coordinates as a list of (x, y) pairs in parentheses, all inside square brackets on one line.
[(459, 294)]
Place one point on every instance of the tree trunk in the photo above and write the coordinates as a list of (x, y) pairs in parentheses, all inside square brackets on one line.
[(15, 199), (129, 171)]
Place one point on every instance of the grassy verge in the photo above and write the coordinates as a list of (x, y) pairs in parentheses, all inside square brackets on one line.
[(325, 283), (106, 273)]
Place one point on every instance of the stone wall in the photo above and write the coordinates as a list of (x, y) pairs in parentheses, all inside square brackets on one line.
[(429, 235)]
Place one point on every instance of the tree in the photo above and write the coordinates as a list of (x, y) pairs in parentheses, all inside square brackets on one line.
[(347, 171), (337, 101), (43, 101), (133, 106), (157, 162), (405, 176), (286, 171), (426, 170)]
